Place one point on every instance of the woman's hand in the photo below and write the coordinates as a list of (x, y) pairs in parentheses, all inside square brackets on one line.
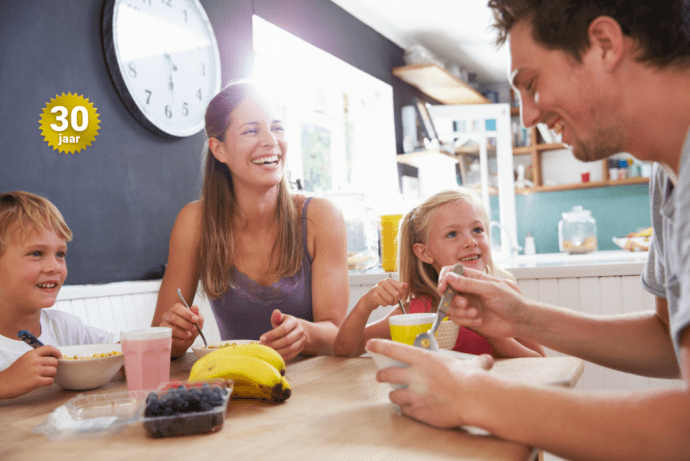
[(34, 369), (287, 336), (491, 306), (182, 320), (440, 389)]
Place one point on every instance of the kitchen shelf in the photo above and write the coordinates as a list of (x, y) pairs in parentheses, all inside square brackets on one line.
[(437, 82), (583, 185)]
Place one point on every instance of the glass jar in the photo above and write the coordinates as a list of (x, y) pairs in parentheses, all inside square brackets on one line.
[(577, 231), (362, 230)]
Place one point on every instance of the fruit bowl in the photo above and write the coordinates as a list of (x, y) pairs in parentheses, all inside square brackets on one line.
[(86, 371), (200, 350), (633, 243)]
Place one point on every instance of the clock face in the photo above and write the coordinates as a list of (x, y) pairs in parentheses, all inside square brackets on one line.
[(163, 57)]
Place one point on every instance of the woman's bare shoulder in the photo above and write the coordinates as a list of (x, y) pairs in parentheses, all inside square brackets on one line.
[(191, 211), (323, 209), (189, 218)]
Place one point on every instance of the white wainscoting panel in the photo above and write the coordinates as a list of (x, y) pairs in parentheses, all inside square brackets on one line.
[(599, 296), (124, 306)]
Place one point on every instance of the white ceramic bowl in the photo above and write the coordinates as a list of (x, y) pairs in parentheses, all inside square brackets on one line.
[(200, 350), (82, 374), (383, 361)]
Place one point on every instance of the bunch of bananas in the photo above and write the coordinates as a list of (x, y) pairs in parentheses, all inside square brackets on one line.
[(258, 371)]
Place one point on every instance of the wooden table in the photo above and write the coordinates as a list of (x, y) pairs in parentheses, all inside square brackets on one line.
[(337, 411)]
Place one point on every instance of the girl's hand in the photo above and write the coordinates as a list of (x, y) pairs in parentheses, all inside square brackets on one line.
[(32, 370), (182, 320), (287, 336), (385, 293)]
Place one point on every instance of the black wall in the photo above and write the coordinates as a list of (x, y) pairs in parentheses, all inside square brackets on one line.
[(121, 195)]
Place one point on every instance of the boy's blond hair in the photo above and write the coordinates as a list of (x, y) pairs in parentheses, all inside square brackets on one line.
[(29, 212), (422, 278)]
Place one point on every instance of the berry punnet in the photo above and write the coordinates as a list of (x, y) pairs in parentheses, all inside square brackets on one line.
[(183, 400)]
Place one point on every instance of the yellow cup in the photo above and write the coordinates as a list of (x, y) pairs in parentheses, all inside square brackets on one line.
[(389, 241), (405, 328)]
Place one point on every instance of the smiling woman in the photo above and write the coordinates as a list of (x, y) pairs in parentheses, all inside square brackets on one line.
[(274, 267)]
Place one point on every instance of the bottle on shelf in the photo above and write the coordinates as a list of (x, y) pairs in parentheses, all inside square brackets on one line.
[(530, 246)]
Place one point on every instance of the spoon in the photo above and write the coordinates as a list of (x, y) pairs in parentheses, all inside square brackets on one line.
[(401, 306), (427, 340), (179, 293), (29, 339)]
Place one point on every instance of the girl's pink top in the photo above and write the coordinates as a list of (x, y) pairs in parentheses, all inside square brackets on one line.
[(468, 341)]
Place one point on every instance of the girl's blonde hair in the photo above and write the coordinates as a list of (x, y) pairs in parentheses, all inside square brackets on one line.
[(422, 278), (219, 204), (29, 212)]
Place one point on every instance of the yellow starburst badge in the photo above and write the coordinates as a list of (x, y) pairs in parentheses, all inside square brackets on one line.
[(69, 123)]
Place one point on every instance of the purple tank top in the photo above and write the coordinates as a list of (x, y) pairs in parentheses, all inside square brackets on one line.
[(244, 312)]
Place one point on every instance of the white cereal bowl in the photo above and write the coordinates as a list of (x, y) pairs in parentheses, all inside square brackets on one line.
[(200, 350), (383, 361), (88, 373)]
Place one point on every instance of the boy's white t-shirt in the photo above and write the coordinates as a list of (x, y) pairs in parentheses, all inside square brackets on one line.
[(58, 328)]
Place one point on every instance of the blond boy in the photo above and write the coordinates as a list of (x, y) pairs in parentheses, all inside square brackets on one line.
[(33, 247)]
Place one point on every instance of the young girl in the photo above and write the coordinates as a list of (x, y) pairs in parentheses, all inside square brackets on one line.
[(448, 227), (273, 263)]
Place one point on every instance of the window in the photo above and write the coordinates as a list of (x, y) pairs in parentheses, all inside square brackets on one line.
[(339, 120)]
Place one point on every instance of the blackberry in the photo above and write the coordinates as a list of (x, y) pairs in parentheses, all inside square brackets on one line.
[(183, 400)]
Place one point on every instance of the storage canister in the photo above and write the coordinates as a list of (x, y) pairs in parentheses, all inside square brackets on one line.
[(577, 231)]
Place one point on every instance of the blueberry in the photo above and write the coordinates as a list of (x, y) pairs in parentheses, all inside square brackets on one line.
[(153, 409)]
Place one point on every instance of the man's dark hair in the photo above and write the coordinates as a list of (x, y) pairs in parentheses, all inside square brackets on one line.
[(659, 27)]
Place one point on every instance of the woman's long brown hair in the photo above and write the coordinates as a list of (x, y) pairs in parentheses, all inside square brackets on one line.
[(219, 205)]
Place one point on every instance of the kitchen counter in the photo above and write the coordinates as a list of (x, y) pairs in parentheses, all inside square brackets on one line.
[(562, 265), (548, 265)]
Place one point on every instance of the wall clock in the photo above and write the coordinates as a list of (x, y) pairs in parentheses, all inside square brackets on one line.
[(163, 58)]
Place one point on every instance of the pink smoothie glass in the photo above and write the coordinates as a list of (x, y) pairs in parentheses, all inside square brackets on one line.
[(147, 357)]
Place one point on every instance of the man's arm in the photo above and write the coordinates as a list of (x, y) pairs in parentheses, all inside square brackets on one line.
[(635, 343), (575, 425)]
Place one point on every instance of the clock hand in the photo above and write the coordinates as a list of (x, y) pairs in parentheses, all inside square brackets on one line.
[(171, 68)]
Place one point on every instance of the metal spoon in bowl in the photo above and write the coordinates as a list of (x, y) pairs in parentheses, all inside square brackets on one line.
[(401, 306), (427, 340), (179, 293)]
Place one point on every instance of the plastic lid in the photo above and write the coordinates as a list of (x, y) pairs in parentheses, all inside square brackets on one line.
[(146, 333), (576, 212)]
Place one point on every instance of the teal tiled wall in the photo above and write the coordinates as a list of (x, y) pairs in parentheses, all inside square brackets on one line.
[(617, 211)]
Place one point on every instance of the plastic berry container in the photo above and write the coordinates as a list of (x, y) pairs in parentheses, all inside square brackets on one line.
[(191, 417)]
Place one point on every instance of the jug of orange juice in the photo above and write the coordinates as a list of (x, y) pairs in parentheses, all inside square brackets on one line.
[(390, 223)]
